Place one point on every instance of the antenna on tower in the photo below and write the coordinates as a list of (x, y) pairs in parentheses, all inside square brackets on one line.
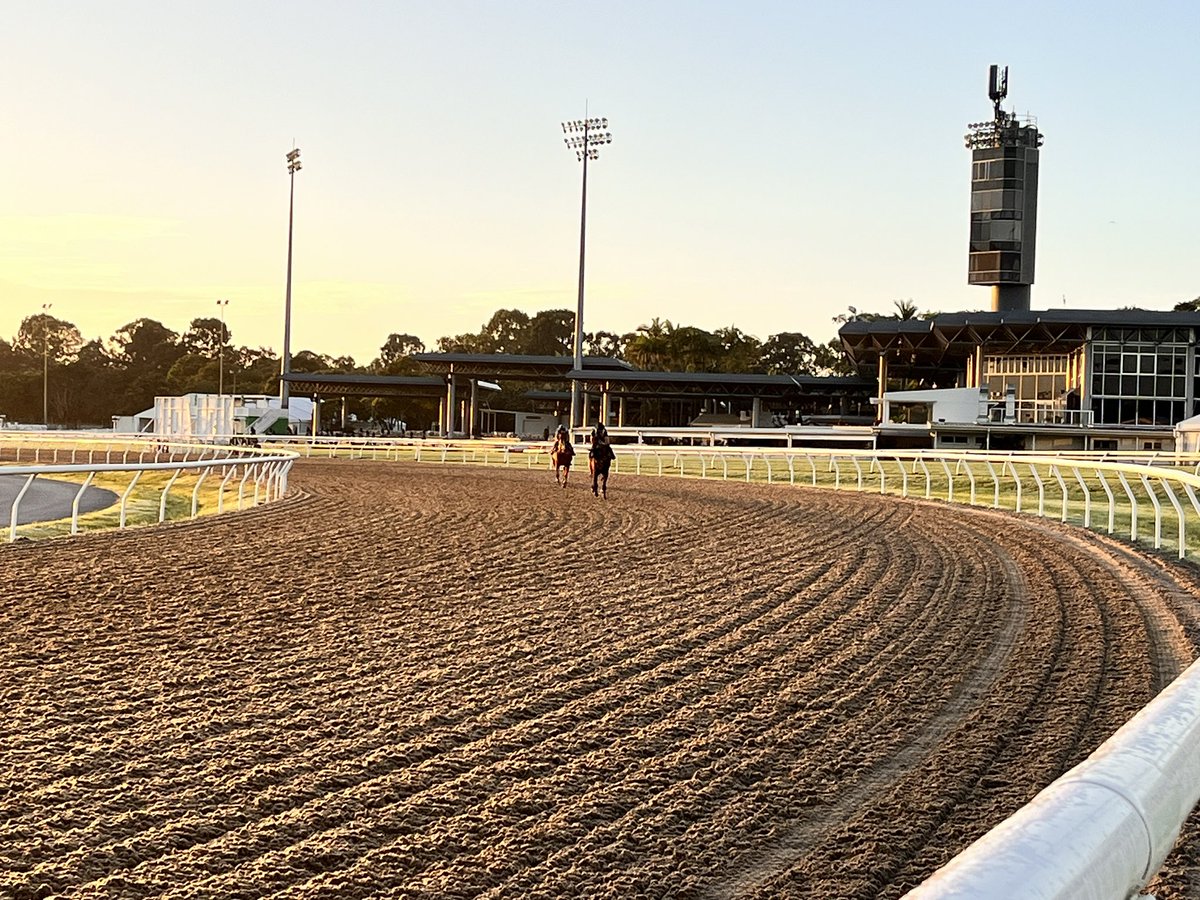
[(997, 87)]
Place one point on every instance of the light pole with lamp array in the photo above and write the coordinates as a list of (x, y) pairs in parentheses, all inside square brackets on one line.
[(46, 364), (584, 136), (293, 161), (221, 304)]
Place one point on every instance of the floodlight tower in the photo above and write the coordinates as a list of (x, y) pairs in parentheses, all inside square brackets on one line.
[(1004, 177), (46, 364), (293, 161), (584, 136), (221, 305)]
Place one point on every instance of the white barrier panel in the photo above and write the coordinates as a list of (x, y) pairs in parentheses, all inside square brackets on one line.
[(1101, 830)]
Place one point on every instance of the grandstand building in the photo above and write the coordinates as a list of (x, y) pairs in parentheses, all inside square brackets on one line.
[(1040, 379)]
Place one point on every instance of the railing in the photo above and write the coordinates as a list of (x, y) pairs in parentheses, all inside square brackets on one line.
[(252, 475), (1039, 412), (1144, 495), (1104, 828)]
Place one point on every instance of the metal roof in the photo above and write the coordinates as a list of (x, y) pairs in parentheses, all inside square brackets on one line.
[(366, 385), (515, 366), (936, 349), (722, 384)]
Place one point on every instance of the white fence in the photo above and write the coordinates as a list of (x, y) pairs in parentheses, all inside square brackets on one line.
[(1145, 496), (1101, 830), (257, 476)]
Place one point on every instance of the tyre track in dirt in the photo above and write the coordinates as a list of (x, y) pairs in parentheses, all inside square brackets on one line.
[(437, 685)]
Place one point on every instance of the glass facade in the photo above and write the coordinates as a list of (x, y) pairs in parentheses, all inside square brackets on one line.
[(1003, 211), (1035, 376), (1140, 376)]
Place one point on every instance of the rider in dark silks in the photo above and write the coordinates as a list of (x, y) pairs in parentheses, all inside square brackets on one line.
[(600, 458)]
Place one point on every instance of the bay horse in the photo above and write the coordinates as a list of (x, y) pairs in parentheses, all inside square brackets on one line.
[(561, 456)]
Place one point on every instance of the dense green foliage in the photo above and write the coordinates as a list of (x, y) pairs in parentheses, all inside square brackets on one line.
[(89, 382)]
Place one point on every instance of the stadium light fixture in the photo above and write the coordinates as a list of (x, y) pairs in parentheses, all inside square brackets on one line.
[(293, 161), (46, 364), (588, 136), (221, 304)]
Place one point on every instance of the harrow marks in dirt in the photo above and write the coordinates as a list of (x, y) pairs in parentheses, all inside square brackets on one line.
[(428, 682)]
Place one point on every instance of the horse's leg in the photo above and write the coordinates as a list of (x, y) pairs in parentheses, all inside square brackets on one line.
[(604, 483)]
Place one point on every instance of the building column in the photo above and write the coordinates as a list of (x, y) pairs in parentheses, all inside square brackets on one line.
[(584, 400), (343, 412), (316, 415), (450, 410), (605, 406), (620, 412), (473, 427), (756, 413), (883, 368)]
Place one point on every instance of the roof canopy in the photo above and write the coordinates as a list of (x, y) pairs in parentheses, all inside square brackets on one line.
[(722, 384), (512, 366), (937, 348), (365, 385)]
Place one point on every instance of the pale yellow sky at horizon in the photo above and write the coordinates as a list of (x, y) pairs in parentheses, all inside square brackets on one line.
[(768, 168)]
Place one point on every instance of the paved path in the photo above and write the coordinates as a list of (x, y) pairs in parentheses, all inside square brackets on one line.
[(47, 500)]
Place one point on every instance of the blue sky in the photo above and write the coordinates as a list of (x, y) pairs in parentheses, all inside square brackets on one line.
[(771, 164)]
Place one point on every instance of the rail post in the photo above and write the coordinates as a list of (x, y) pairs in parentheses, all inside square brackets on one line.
[(1041, 489), (79, 496), (196, 491), (1157, 511), (1133, 510), (16, 505), (949, 481), (125, 496), (162, 503)]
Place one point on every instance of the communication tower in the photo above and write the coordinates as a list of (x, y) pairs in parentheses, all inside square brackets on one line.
[(1004, 178)]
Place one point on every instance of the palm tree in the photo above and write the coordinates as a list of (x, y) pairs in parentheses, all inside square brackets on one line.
[(650, 346)]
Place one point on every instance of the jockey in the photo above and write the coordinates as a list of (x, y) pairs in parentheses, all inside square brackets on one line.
[(600, 458), (561, 455)]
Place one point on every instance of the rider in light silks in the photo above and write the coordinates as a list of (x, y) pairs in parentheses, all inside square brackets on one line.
[(561, 456)]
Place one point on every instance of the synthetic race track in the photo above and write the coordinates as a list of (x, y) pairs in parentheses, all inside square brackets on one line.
[(417, 681)]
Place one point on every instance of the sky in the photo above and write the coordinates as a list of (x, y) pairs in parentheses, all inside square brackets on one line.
[(772, 163)]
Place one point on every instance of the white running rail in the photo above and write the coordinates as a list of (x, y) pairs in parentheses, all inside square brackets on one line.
[(264, 474), (1101, 830)]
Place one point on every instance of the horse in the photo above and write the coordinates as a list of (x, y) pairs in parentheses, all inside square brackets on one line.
[(600, 459), (560, 459)]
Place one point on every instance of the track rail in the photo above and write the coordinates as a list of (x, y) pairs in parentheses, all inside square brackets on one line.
[(263, 474)]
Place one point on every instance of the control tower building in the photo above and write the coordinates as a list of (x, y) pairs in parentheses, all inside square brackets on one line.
[(1004, 180)]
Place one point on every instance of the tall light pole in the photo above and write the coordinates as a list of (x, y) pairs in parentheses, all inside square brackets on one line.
[(293, 161), (584, 136), (46, 364), (221, 304)]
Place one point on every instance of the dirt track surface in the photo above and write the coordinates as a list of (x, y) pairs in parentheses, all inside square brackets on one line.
[(426, 682)]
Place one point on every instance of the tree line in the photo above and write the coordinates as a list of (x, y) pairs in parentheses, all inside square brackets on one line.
[(85, 383)]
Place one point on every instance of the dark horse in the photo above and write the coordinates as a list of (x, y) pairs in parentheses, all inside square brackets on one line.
[(600, 459)]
